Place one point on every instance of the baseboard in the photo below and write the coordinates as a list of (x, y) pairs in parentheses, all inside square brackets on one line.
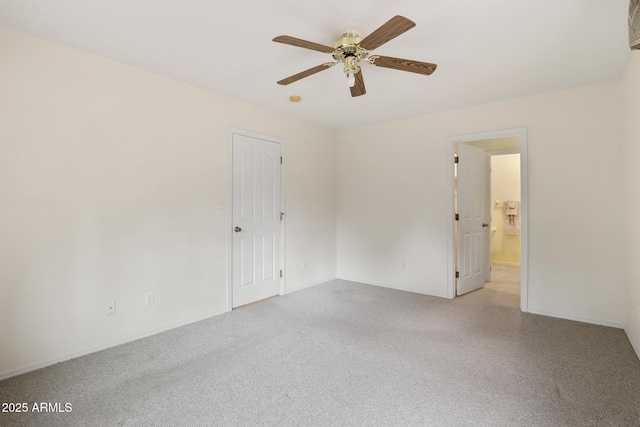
[(513, 264), (609, 323), (398, 288), (74, 355), (634, 344), (308, 285)]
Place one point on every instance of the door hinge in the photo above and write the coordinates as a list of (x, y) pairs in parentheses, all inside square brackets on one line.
[(281, 216), (456, 159), (280, 273), (457, 274), (280, 159), (457, 217)]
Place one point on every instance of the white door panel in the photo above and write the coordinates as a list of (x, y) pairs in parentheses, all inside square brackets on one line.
[(487, 216), (257, 234), (472, 226)]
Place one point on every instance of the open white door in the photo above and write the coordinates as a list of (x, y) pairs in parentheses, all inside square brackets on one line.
[(472, 225), (487, 216), (257, 236)]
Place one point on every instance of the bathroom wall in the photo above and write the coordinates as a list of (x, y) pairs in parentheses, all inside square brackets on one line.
[(505, 185)]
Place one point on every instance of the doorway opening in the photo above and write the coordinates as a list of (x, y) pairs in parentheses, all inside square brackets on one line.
[(505, 195), (488, 230)]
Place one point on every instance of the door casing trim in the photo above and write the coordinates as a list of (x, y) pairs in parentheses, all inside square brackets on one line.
[(524, 204)]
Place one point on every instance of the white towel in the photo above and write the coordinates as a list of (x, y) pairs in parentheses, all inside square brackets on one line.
[(512, 227), (512, 223)]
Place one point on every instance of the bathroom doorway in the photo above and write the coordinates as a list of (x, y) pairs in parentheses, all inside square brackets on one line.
[(505, 272), (505, 225)]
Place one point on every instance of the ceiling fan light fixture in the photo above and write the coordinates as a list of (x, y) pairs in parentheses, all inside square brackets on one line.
[(350, 49), (351, 78)]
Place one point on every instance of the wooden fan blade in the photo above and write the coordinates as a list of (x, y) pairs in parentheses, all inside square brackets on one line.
[(392, 29), (403, 64), (358, 88), (306, 73), (303, 43)]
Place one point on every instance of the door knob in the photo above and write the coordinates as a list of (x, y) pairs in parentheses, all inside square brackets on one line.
[(483, 224), (237, 229)]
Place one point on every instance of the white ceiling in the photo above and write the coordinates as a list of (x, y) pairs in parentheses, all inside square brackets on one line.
[(486, 51)]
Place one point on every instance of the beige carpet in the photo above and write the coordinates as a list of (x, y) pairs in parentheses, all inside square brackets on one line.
[(348, 354)]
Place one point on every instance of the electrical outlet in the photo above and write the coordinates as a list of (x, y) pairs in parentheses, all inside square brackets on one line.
[(404, 265), (148, 298), (111, 307)]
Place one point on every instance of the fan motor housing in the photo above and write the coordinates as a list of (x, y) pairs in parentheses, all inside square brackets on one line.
[(348, 40), (348, 46)]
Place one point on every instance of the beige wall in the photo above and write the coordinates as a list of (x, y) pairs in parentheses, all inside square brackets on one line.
[(631, 226), (109, 181), (505, 185), (393, 201)]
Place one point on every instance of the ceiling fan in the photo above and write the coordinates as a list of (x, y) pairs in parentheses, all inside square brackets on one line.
[(350, 49)]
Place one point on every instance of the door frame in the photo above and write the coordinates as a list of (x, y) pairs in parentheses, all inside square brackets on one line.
[(229, 223), (524, 205)]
